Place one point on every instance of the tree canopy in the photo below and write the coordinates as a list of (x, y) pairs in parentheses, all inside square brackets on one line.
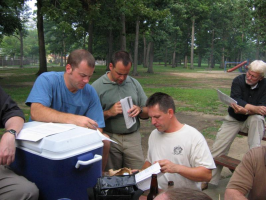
[(168, 31)]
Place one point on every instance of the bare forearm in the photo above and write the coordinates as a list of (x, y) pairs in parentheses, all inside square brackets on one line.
[(15, 123), (42, 113), (260, 110), (233, 194), (199, 174), (45, 114), (146, 165), (107, 114)]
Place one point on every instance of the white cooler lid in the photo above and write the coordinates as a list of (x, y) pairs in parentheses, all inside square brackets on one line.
[(62, 145)]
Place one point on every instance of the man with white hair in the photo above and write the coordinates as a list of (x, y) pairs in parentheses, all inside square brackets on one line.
[(249, 90)]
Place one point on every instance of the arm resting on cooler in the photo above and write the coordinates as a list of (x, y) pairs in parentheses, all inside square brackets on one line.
[(42, 113)]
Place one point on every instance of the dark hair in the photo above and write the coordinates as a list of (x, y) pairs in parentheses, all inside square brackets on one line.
[(123, 56), (164, 100), (185, 194), (76, 56)]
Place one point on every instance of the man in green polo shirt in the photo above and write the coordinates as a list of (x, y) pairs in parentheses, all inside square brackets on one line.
[(111, 88)]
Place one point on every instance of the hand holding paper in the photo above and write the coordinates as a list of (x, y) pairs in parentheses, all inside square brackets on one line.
[(225, 98), (127, 103), (143, 178)]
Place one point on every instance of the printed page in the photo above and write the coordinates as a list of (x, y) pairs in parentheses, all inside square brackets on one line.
[(225, 98), (127, 103), (38, 132), (143, 178), (105, 138)]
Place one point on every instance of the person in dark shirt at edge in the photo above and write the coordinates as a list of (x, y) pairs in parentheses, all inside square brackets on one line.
[(12, 119)]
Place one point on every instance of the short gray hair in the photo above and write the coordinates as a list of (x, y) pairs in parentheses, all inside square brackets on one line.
[(258, 66)]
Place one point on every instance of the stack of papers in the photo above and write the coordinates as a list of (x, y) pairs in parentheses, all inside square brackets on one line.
[(127, 103), (38, 132), (143, 178)]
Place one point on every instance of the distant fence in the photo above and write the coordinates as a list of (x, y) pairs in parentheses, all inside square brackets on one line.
[(4, 63), (29, 61)]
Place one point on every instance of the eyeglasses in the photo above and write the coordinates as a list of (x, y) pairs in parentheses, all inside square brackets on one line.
[(252, 76)]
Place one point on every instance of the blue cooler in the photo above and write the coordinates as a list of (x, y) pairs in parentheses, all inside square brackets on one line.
[(63, 165)]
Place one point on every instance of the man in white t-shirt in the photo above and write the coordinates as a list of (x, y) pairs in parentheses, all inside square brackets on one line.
[(180, 149)]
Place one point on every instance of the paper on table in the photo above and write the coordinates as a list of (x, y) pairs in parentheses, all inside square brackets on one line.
[(105, 138), (143, 178), (126, 105), (225, 98), (38, 132)]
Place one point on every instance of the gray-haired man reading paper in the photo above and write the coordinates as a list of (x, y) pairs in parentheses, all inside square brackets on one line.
[(249, 90)]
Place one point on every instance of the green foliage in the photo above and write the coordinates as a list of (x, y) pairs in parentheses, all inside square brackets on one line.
[(9, 22)]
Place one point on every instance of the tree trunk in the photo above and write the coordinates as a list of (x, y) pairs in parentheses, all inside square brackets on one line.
[(150, 67), (199, 60), (90, 37), (222, 59), (173, 62), (144, 51), (212, 47), (165, 57), (42, 54), (64, 51), (135, 72), (148, 55), (61, 59), (192, 44), (21, 48), (258, 49), (185, 63), (110, 42), (123, 36), (84, 40)]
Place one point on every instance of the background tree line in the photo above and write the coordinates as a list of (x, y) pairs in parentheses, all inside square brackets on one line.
[(167, 31)]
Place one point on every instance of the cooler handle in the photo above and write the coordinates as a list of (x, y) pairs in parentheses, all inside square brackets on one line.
[(88, 162)]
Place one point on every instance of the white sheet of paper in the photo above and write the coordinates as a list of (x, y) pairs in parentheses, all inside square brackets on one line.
[(127, 103), (143, 178), (38, 132), (225, 98), (105, 138)]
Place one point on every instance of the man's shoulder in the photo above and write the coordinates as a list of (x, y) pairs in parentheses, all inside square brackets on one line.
[(258, 151), (191, 129), (99, 81), (132, 79), (51, 76), (88, 89), (239, 77)]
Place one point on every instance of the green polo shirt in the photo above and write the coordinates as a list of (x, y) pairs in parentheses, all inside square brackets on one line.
[(110, 92)]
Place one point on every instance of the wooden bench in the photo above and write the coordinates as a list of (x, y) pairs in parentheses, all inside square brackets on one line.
[(245, 134), (226, 161), (229, 162)]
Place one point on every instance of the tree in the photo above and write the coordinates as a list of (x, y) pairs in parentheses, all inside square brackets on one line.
[(22, 13), (9, 22), (42, 53)]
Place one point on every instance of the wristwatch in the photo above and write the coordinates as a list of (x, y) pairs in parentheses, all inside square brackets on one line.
[(12, 131), (140, 110)]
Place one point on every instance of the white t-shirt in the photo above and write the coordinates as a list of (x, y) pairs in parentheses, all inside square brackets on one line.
[(187, 147)]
